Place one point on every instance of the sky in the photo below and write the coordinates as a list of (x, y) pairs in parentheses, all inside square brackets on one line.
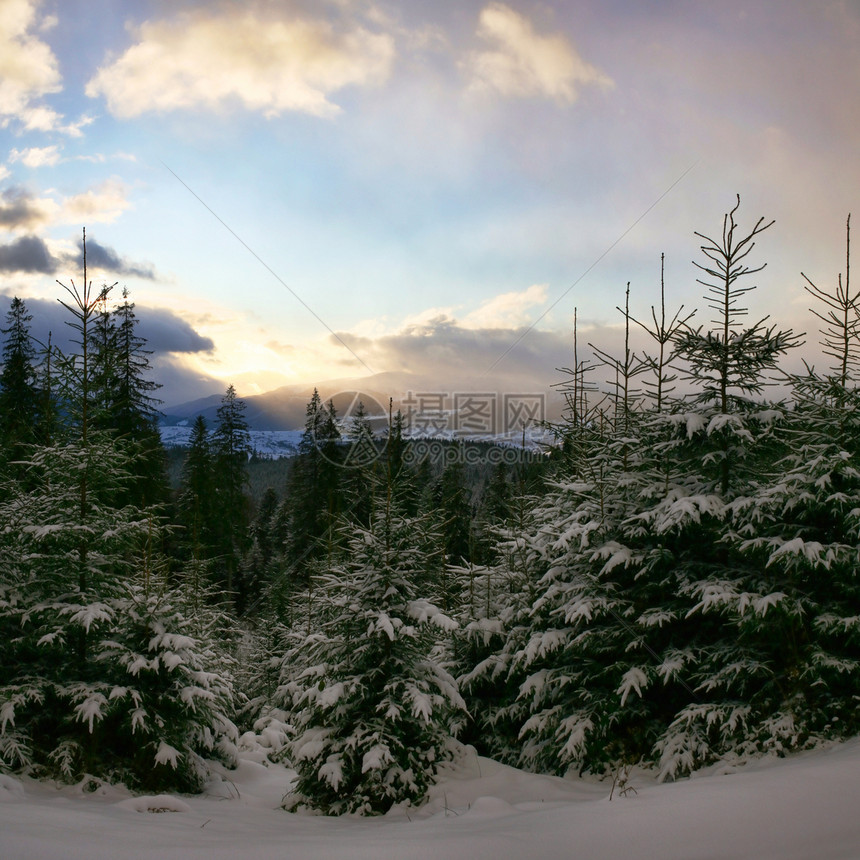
[(302, 190)]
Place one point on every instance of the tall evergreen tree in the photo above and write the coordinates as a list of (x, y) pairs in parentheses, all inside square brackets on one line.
[(580, 622), (395, 446), (360, 464), (733, 362), (196, 503), (49, 413), (258, 567), (782, 672), (136, 409), (454, 507), (19, 393), (134, 413), (231, 446), (103, 361), (94, 677), (723, 447), (314, 493)]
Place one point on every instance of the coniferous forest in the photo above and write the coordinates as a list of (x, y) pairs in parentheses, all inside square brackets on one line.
[(673, 583)]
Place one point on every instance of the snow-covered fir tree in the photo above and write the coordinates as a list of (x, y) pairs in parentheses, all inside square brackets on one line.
[(582, 647), (779, 675), (617, 641), (98, 671), (374, 709)]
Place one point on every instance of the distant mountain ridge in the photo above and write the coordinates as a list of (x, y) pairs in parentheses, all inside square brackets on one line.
[(283, 409)]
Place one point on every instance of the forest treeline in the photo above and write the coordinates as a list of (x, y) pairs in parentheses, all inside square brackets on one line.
[(675, 584)]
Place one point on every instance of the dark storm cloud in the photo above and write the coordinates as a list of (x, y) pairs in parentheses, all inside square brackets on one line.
[(163, 330), (30, 255), (180, 384), (167, 335), (27, 254), (100, 258), (166, 332)]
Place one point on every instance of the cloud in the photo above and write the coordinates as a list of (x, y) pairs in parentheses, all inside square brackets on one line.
[(181, 383), (27, 254), (447, 355), (43, 118), (72, 129), (524, 63), (170, 338), (100, 257), (31, 255), (21, 210), (284, 349), (452, 354), (28, 67), (271, 65), (103, 204), (39, 118), (166, 332), (49, 156), (101, 158), (163, 330), (44, 156), (507, 310)]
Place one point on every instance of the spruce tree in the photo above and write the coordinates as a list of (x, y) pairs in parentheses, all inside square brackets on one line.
[(725, 446), (258, 566), (49, 414), (196, 502), (98, 674), (19, 393), (784, 675), (135, 409), (374, 710), (583, 637), (510, 638), (732, 363), (395, 445), (168, 705), (661, 376), (302, 510), (231, 446), (103, 360), (313, 497), (360, 463), (453, 505)]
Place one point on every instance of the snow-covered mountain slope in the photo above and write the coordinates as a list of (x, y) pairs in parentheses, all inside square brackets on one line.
[(267, 443)]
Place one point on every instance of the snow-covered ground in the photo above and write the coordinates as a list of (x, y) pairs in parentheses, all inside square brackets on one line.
[(802, 807)]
